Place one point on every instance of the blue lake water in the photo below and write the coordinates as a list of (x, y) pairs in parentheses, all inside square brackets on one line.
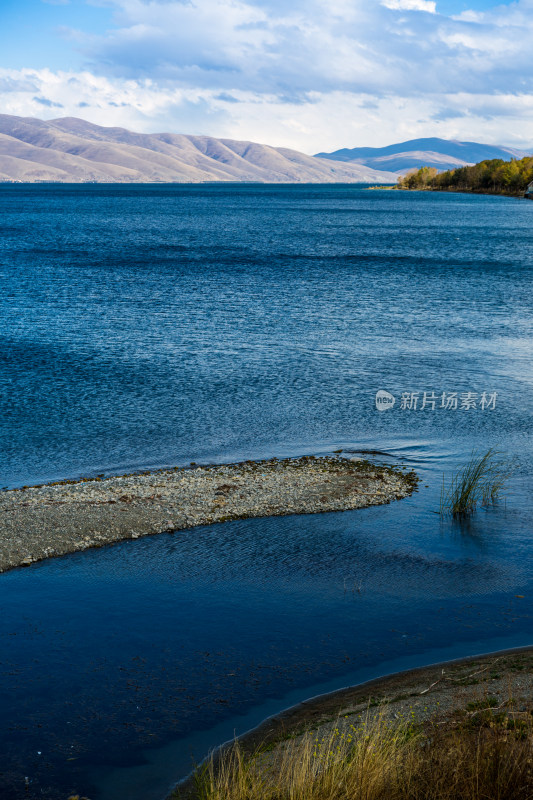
[(150, 326)]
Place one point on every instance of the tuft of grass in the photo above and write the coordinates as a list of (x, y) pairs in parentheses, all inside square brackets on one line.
[(380, 760), (479, 482), (488, 702)]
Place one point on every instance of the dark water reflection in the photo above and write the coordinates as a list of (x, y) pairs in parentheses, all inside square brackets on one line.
[(144, 326), (166, 643)]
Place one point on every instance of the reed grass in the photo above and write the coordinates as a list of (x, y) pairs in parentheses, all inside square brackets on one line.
[(380, 761), (480, 482)]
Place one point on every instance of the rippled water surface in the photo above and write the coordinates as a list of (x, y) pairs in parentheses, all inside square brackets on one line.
[(145, 326)]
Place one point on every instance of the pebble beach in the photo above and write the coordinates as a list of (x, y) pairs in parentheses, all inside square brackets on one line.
[(45, 521)]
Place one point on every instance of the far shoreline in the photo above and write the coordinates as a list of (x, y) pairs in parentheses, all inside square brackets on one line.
[(518, 196)]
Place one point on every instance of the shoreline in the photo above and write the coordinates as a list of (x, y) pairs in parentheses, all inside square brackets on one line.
[(63, 517), (444, 692), (487, 192)]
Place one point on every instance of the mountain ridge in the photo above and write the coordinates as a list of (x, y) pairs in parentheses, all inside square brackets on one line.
[(70, 149), (443, 154)]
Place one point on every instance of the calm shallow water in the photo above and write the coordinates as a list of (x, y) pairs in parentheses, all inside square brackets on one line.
[(148, 326)]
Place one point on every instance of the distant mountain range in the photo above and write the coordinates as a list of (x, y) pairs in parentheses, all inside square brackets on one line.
[(71, 150), (440, 153)]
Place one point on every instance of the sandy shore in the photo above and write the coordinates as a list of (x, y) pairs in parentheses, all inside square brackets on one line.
[(64, 517), (445, 694)]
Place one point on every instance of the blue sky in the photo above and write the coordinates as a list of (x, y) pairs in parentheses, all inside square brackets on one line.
[(32, 32), (309, 74)]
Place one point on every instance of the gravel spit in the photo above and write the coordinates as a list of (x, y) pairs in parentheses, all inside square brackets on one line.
[(67, 516)]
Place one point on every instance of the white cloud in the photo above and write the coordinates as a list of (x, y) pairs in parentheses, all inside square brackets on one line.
[(315, 74), (321, 45), (412, 5), (327, 121)]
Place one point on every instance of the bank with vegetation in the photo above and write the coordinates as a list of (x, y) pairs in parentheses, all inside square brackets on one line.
[(488, 177), (458, 731)]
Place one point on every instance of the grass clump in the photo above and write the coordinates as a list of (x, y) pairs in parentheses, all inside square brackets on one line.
[(479, 482), (488, 702), (378, 761)]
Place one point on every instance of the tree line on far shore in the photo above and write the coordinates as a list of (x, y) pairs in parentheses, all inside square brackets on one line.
[(494, 176)]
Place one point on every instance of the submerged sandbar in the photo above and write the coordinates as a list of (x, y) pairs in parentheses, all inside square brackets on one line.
[(64, 517)]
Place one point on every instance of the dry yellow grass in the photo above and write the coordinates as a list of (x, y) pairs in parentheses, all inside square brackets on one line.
[(489, 758)]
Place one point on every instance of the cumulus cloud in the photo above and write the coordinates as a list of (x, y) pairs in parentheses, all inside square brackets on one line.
[(412, 5), (321, 45), (330, 120), (44, 101), (312, 74), (10, 84), (142, 105)]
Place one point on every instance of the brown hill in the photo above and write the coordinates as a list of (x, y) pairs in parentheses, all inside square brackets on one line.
[(71, 150)]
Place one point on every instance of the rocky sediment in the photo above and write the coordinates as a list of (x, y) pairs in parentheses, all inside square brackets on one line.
[(51, 520)]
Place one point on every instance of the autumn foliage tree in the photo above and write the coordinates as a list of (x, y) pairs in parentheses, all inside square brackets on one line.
[(496, 175)]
